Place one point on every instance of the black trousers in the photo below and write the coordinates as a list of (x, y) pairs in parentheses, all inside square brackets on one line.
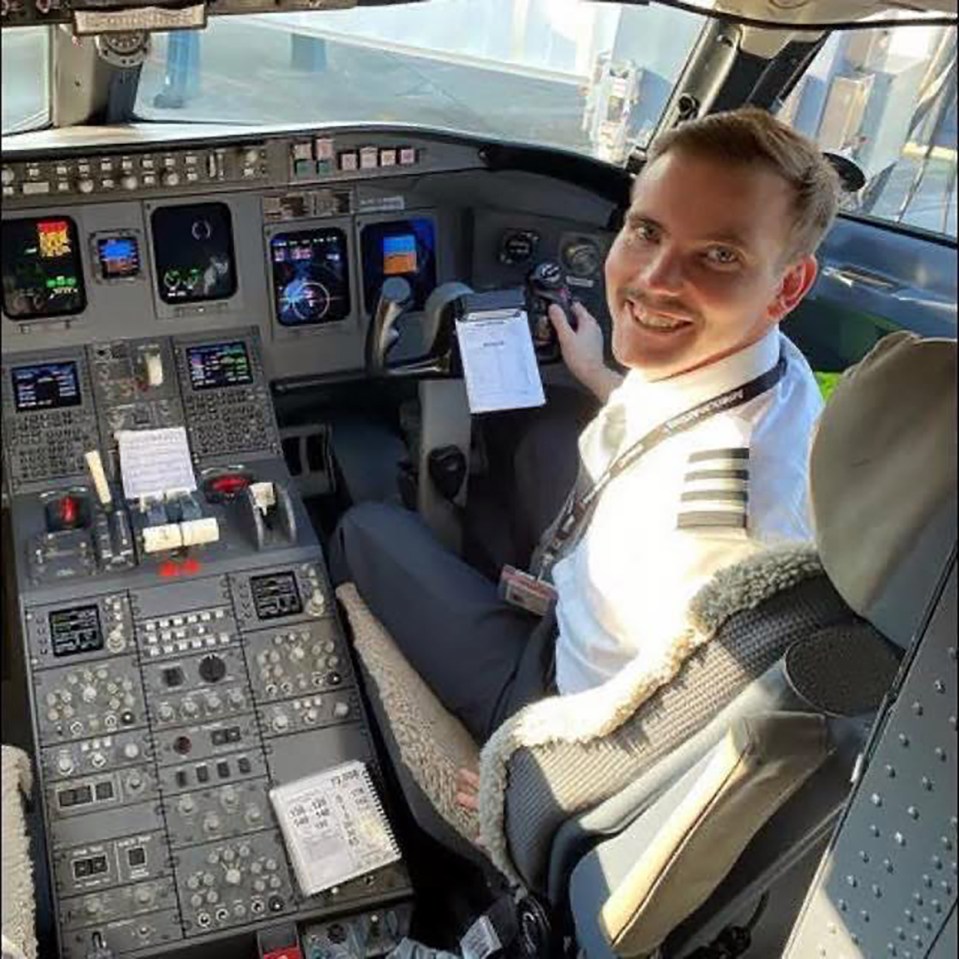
[(483, 658)]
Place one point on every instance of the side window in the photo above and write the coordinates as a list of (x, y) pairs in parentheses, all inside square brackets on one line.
[(886, 98)]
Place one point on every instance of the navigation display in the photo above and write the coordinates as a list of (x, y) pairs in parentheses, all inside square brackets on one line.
[(42, 270), (193, 249), (311, 280), (46, 386), (404, 248), (119, 257), (219, 364)]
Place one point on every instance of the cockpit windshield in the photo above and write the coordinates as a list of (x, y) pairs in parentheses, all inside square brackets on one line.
[(559, 73), (26, 90)]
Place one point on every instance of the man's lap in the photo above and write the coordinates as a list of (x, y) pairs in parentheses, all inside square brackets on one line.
[(446, 617)]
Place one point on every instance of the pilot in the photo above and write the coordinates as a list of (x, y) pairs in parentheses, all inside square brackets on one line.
[(696, 460)]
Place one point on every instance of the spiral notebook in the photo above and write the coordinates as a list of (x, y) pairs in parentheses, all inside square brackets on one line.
[(334, 826)]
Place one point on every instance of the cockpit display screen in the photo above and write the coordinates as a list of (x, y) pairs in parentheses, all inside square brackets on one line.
[(119, 257), (42, 270), (311, 280), (45, 386), (405, 248), (217, 365), (193, 249)]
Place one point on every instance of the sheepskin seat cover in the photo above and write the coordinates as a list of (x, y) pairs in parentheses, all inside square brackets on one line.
[(18, 906), (433, 744)]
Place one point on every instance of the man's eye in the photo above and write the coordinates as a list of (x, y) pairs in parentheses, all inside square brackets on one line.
[(722, 256), (643, 231)]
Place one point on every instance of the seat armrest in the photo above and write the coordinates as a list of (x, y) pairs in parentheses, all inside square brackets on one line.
[(680, 849)]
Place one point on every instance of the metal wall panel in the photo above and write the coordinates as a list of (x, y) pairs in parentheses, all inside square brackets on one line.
[(887, 884)]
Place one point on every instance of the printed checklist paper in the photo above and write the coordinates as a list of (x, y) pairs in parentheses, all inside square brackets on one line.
[(499, 362), (154, 462), (334, 827)]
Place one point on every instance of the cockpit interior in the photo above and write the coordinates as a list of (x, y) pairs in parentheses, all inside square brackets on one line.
[(239, 240)]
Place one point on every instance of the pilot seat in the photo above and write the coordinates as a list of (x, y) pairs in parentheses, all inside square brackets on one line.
[(647, 816)]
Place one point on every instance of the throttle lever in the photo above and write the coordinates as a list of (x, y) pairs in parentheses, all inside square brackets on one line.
[(546, 285)]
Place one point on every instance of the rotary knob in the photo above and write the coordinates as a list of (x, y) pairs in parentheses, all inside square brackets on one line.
[(253, 815), (65, 764), (93, 906), (89, 694), (8, 175), (232, 876), (186, 805), (235, 698), (297, 653), (131, 751), (189, 708), (281, 722), (129, 182), (229, 797), (211, 822), (213, 703), (251, 156), (212, 669), (170, 178), (166, 713), (316, 605), (341, 710), (85, 184), (144, 895)]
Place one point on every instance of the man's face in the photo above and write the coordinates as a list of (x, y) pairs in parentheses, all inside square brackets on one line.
[(699, 269)]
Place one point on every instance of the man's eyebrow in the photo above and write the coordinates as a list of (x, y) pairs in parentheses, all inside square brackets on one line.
[(637, 216), (728, 239)]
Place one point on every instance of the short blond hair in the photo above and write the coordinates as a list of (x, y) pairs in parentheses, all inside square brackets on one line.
[(750, 136)]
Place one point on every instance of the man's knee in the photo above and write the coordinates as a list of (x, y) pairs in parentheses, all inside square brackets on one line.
[(365, 531)]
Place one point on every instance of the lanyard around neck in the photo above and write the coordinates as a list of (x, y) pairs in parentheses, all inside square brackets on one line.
[(578, 506)]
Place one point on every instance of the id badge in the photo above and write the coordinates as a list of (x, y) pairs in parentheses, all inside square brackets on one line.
[(527, 592)]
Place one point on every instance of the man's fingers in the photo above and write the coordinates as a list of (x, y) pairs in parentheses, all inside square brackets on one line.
[(582, 314), (558, 318), (467, 777), (468, 801)]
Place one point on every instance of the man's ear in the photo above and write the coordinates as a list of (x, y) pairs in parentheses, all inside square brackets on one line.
[(794, 285)]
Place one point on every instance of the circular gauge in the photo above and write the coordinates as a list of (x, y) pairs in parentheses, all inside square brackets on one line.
[(517, 246), (582, 257)]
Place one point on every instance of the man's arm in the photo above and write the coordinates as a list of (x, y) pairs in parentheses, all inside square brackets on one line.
[(583, 351)]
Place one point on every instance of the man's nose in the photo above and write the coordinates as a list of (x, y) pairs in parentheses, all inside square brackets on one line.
[(663, 272)]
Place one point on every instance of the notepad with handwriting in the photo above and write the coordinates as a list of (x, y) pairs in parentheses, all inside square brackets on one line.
[(334, 826)]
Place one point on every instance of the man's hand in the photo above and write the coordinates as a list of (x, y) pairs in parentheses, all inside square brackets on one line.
[(467, 790), (582, 350)]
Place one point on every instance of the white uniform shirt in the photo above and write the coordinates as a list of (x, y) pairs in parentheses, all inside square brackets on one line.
[(698, 502)]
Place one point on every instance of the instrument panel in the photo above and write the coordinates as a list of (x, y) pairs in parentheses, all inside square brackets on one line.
[(292, 234), (183, 653)]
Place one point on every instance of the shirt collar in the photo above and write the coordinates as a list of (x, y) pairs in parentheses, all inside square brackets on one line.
[(648, 403)]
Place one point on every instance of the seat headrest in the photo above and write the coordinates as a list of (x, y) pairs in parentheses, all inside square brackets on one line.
[(882, 477)]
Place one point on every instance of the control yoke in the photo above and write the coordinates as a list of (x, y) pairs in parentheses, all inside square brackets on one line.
[(436, 323), (395, 297)]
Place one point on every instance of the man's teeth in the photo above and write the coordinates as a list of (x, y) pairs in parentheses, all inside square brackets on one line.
[(656, 321)]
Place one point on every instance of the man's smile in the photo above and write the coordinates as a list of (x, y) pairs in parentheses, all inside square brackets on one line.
[(657, 321)]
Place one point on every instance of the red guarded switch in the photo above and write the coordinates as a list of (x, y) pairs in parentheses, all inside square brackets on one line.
[(69, 511), (284, 952)]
